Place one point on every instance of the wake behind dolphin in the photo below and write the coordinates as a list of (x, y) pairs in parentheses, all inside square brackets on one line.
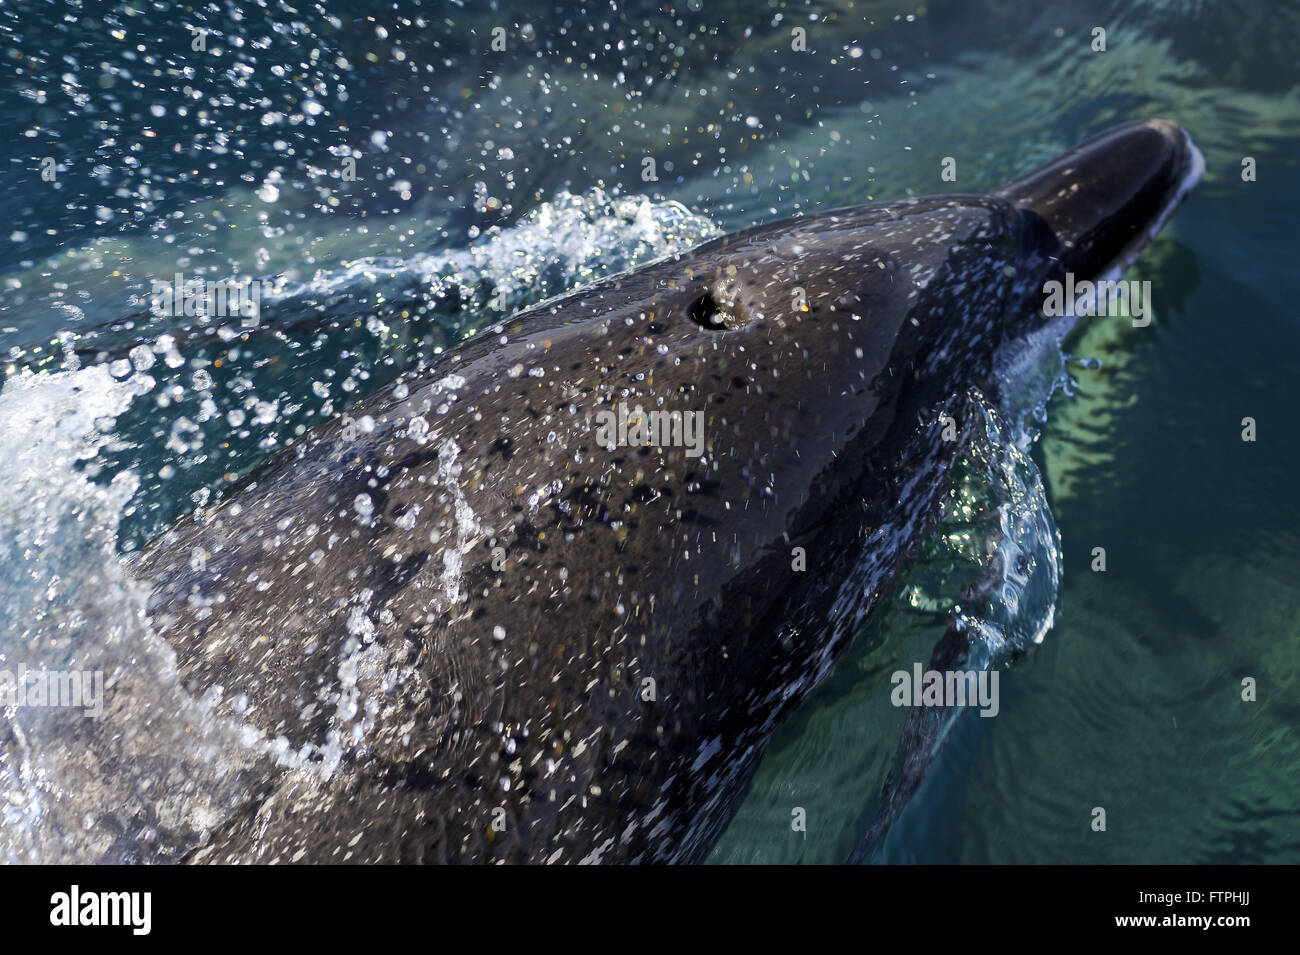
[(486, 635)]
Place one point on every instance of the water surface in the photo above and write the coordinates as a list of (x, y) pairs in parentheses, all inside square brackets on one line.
[(488, 180)]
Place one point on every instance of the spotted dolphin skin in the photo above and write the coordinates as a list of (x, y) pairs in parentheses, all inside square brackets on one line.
[(486, 635)]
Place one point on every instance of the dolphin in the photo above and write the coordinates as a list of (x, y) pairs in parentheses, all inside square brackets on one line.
[(547, 598)]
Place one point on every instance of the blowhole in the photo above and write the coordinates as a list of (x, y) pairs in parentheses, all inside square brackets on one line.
[(717, 312)]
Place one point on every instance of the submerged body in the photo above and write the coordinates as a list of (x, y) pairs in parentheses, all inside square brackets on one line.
[(500, 641)]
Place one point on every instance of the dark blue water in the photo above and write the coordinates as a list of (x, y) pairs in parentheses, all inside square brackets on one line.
[(489, 179)]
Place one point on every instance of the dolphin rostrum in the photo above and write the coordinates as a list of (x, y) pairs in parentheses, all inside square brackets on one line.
[(547, 598)]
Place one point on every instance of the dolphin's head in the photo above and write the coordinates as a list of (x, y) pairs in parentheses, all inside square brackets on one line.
[(1086, 215), (821, 363), (1105, 199), (896, 281)]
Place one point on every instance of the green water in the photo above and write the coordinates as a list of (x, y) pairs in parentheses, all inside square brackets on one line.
[(1133, 703)]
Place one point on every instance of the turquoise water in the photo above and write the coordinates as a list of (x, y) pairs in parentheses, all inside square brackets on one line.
[(490, 179)]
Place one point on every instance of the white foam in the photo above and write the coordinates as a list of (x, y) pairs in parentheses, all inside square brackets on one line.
[(574, 237)]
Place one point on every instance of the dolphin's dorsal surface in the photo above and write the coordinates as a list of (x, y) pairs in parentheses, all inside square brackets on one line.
[(494, 637)]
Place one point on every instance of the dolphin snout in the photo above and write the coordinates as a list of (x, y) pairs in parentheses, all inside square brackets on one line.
[(1106, 198)]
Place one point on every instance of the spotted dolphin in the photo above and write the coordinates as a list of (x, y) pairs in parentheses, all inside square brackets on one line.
[(547, 598)]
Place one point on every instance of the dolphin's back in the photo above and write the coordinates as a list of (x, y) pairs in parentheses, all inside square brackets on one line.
[(488, 637)]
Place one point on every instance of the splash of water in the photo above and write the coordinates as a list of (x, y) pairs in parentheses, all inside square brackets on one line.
[(113, 426), (999, 532), (136, 781)]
